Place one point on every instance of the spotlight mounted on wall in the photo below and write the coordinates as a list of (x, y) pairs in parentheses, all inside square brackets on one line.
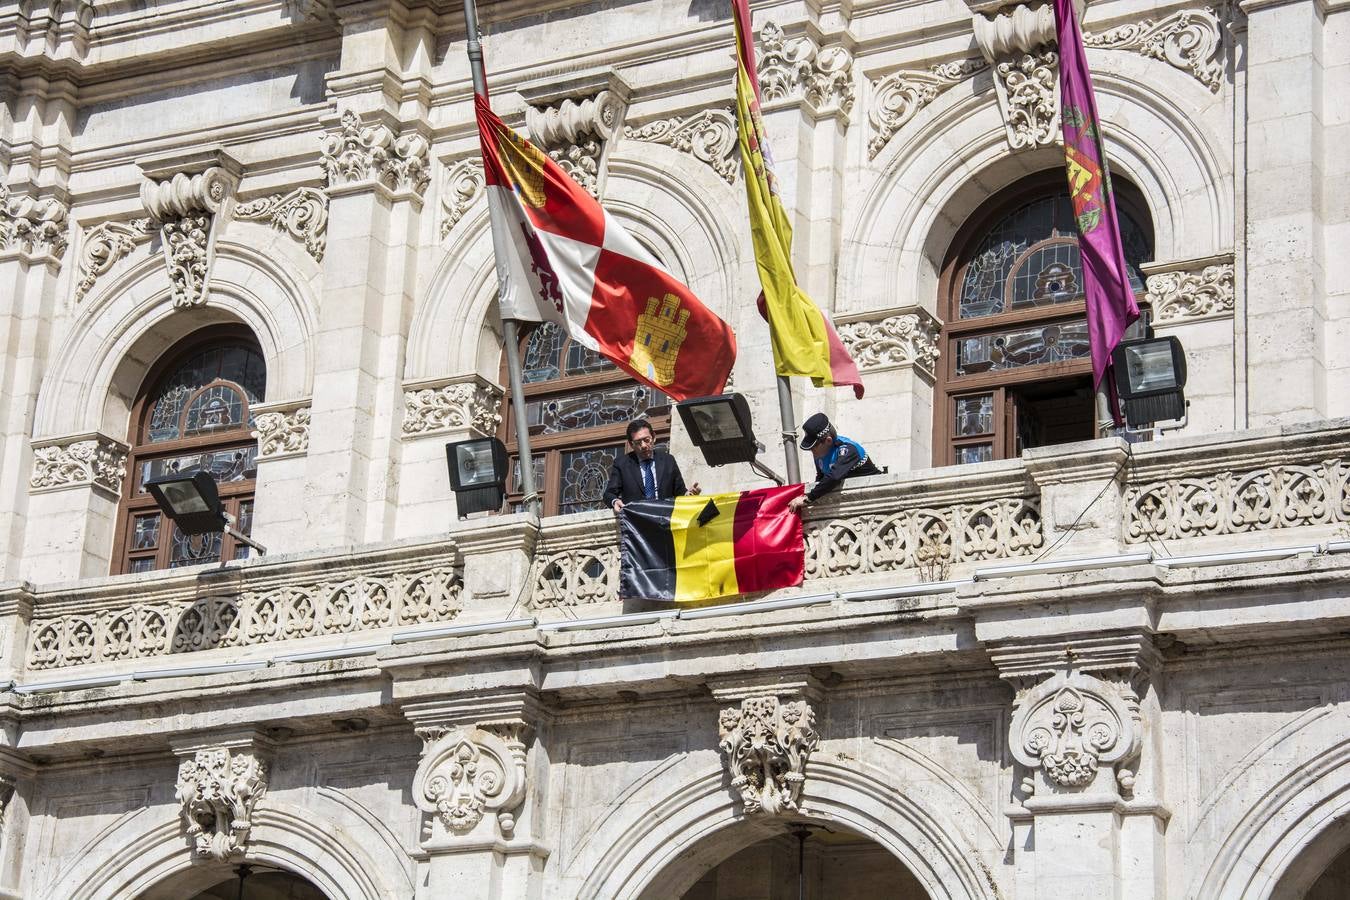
[(1150, 375), (477, 474), (720, 427), (191, 500)]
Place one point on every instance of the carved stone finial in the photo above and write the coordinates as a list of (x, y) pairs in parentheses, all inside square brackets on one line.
[(765, 745), (217, 789), (466, 773), (356, 154)]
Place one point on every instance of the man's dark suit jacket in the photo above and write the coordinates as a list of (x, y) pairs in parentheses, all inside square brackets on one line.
[(625, 479)]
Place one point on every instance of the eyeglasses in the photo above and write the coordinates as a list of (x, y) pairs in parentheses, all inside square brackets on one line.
[(643, 441)]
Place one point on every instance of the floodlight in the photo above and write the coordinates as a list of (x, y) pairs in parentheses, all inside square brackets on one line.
[(477, 474), (1150, 375), (192, 501), (720, 427)]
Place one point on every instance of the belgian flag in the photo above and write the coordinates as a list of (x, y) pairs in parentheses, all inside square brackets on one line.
[(704, 547)]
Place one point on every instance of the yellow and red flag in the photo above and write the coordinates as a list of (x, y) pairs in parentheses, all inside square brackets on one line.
[(569, 262), (704, 547), (803, 338)]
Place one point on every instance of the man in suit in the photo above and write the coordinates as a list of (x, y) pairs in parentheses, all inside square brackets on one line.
[(644, 473)]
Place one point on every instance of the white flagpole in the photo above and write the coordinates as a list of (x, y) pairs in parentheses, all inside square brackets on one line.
[(510, 336)]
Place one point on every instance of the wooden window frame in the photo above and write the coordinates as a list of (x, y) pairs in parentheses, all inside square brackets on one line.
[(948, 385), (232, 494)]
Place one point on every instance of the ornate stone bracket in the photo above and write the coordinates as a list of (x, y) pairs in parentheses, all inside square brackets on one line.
[(1071, 726), (187, 195), (709, 136), (577, 120), (467, 773), (461, 185), (281, 429), (83, 459), (907, 338), (35, 228), (1191, 290), (899, 96), (792, 68), (441, 405), (765, 744), (360, 155), (218, 787), (303, 214), (1018, 41), (101, 248), (1190, 40)]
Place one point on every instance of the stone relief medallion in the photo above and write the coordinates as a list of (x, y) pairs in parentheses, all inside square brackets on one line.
[(466, 774), (1073, 725), (765, 745)]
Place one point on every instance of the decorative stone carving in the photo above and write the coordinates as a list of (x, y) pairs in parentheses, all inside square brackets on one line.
[(797, 67), (303, 213), (217, 790), (281, 432), (356, 154), (464, 404), (576, 133), (907, 339), (709, 136), (87, 459), (574, 577), (923, 538), (36, 227), (186, 207), (1074, 724), (1018, 42), (308, 608), (465, 774), (898, 97), (102, 246), (1234, 502), (1177, 296), (765, 745), (461, 186), (1189, 39)]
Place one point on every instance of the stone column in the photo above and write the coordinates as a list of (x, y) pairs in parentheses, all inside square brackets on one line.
[(480, 785), (1286, 285), (282, 431), (33, 241), (17, 775), (376, 179), (16, 613), (1082, 491), (1090, 820), (74, 489)]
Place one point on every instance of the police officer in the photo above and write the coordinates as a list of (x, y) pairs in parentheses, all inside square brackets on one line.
[(836, 458)]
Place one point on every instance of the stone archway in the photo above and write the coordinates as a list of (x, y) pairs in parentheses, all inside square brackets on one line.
[(219, 881), (803, 859)]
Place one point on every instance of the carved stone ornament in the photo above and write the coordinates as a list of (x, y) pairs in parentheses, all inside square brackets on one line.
[(1018, 42), (765, 745), (186, 208), (217, 790), (464, 404), (1073, 725), (101, 248), (906, 339), (797, 67), (465, 774), (88, 459), (461, 186), (303, 214), (1189, 39), (709, 136), (576, 133), (281, 432), (35, 227), (1178, 296), (899, 96), (357, 154)]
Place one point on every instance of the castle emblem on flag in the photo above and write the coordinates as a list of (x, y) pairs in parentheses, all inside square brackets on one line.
[(660, 332)]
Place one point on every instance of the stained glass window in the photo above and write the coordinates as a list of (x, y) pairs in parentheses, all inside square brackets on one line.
[(209, 391), (584, 475)]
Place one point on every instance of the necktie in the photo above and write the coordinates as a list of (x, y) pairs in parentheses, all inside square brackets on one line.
[(648, 480)]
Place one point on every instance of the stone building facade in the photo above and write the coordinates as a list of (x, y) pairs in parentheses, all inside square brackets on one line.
[(250, 236)]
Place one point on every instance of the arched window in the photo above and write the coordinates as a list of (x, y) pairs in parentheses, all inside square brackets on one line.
[(1016, 366), (195, 412), (577, 404)]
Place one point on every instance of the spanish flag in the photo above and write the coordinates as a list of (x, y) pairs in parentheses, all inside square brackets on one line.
[(803, 338), (566, 260), (704, 547)]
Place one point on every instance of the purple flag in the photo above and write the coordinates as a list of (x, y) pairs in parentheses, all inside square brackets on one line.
[(1106, 280)]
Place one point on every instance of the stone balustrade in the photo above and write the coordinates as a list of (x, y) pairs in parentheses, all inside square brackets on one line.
[(1174, 498)]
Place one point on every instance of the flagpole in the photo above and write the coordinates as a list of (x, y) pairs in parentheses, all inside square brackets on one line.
[(794, 471), (510, 337)]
